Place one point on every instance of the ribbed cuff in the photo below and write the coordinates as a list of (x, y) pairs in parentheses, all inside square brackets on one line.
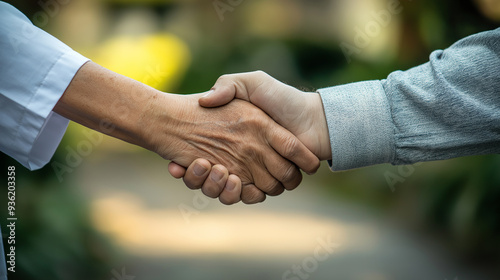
[(359, 123)]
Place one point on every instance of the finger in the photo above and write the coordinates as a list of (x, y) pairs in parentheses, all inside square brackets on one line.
[(232, 86), (250, 194), (288, 146), (197, 173), (284, 171), (176, 170), (218, 96), (231, 193), (216, 182), (267, 183)]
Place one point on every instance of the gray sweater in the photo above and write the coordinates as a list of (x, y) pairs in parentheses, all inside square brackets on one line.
[(446, 108)]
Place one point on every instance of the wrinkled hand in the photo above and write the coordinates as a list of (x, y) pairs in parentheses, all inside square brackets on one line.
[(239, 137), (299, 112)]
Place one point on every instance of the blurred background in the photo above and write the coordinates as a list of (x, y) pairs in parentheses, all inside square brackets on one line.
[(103, 209)]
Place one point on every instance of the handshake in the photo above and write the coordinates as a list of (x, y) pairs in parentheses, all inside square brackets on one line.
[(253, 134), (241, 149)]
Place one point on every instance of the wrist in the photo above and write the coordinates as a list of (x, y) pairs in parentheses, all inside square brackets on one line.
[(159, 113), (166, 124), (324, 150)]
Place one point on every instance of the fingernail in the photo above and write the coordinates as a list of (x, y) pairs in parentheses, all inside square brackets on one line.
[(216, 175), (230, 185), (208, 93), (199, 169)]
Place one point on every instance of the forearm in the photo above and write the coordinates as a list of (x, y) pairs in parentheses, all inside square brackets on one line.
[(446, 108), (109, 103), (449, 107)]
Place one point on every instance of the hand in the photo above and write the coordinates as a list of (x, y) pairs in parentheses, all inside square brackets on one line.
[(238, 136), (201, 174), (301, 113)]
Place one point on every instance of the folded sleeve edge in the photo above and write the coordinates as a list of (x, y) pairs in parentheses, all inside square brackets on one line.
[(54, 126), (360, 125)]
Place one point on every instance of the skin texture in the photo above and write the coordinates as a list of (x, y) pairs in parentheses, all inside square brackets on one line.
[(237, 139), (300, 112)]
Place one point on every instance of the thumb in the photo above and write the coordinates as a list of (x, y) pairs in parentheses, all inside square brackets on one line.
[(227, 88), (217, 96), (177, 171)]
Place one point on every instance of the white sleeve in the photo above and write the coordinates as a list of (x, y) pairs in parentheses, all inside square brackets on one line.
[(35, 70)]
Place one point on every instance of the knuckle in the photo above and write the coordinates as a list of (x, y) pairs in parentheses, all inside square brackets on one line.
[(290, 146), (276, 191), (290, 173), (314, 166), (227, 78), (252, 195), (222, 78), (260, 74), (295, 183), (273, 189), (250, 152)]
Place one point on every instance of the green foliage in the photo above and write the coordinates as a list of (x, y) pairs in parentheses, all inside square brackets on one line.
[(54, 236)]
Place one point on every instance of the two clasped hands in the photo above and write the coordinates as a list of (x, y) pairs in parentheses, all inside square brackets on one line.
[(257, 154), (243, 141)]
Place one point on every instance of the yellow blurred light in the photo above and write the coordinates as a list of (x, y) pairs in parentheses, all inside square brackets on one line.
[(490, 8), (158, 60), (361, 21), (157, 232)]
